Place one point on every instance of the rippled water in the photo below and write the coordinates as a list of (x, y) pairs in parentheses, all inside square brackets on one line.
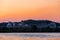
[(29, 36)]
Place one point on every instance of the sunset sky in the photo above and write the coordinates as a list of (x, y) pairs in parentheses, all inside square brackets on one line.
[(16, 10)]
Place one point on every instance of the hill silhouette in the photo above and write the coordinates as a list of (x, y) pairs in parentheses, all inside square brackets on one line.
[(30, 26)]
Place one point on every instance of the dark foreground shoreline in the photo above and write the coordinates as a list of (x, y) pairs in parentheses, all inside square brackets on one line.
[(30, 26), (29, 30)]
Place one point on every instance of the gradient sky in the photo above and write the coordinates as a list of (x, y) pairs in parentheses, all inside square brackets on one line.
[(16, 10)]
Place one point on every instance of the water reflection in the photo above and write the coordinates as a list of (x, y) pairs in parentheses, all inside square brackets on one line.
[(29, 36)]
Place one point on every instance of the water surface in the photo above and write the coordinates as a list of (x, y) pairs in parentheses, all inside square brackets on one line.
[(29, 36)]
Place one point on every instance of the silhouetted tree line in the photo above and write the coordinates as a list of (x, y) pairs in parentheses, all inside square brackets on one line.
[(26, 29), (33, 27)]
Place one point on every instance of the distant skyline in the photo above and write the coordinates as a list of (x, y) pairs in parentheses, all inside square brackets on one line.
[(17, 10)]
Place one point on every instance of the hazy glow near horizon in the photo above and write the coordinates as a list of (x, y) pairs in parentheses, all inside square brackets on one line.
[(16, 10)]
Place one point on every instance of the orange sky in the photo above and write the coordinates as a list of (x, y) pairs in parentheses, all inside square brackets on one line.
[(16, 10)]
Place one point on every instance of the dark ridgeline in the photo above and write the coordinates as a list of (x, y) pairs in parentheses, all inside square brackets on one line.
[(30, 26)]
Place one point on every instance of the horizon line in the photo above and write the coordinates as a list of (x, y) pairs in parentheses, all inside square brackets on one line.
[(29, 19)]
